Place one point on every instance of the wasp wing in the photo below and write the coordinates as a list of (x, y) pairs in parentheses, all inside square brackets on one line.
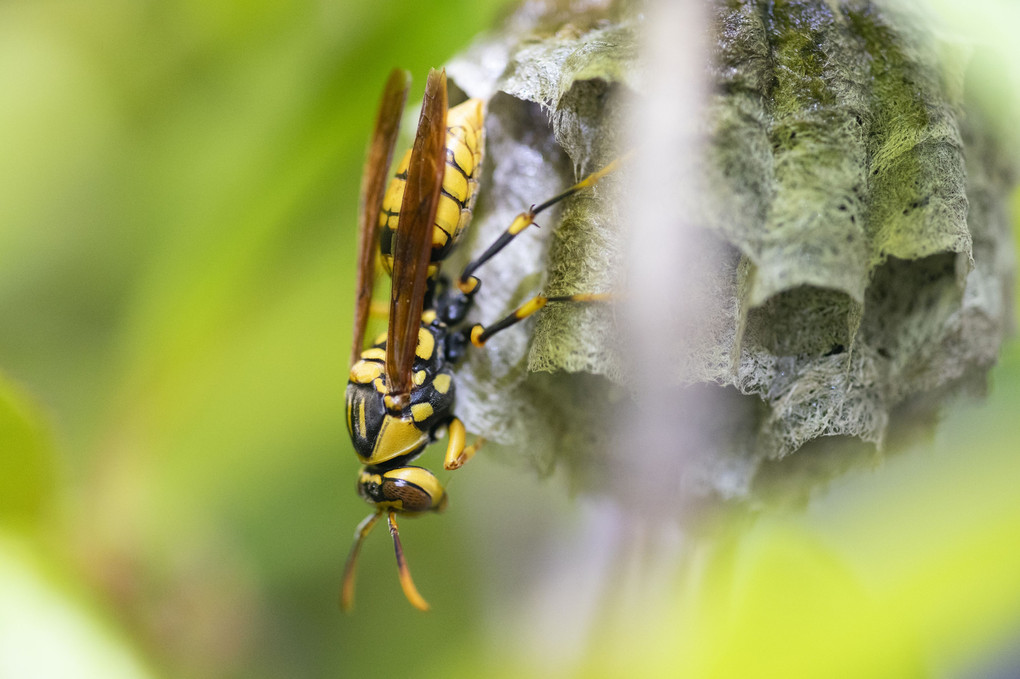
[(413, 241), (373, 185)]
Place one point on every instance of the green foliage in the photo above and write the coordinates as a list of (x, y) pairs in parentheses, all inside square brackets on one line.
[(27, 483)]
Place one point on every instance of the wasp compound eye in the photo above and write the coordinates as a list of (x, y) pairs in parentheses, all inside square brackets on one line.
[(411, 497)]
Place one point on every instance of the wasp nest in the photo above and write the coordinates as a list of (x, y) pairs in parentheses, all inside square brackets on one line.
[(857, 212)]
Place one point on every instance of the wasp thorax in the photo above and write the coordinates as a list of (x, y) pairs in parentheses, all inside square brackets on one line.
[(389, 427)]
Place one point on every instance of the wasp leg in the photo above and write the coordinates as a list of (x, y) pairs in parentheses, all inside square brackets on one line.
[(406, 583), (468, 283), (347, 590), (481, 334), (457, 454)]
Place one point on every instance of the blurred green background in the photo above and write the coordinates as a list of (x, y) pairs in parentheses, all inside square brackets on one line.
[(178, 188)]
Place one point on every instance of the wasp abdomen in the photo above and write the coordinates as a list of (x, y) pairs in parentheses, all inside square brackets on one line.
[(464, 141)]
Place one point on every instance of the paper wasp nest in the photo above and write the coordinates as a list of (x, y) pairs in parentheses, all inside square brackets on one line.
[(857, 201)]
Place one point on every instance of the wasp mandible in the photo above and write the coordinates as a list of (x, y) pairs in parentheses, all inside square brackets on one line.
[(401, 392)]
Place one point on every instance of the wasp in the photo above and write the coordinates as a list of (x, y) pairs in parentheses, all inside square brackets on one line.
[(401, 391)]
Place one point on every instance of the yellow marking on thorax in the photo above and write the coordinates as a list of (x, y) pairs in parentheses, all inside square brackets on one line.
[(421, 411), (373, 354), (397, 436), (350, 416), (442, 383), (364, 372), (426, 344)]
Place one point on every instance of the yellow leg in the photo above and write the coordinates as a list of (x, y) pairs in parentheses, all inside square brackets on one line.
[(406, 583), (467, 283), (347, 589), (481, 334), (457, 454)]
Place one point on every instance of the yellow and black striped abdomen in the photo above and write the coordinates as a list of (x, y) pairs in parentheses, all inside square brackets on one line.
[(464, 142)]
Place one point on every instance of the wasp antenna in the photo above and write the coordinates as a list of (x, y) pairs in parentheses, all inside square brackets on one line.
[(347, 589), (410, 591)]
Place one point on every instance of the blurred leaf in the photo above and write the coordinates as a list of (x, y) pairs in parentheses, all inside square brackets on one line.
[(28, 478), (44, 635)]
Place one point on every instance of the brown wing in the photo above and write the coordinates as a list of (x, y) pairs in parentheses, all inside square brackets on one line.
[(373, 185), (413, 241)]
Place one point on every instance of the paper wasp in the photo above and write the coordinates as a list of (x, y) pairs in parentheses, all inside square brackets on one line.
[(401, 392)]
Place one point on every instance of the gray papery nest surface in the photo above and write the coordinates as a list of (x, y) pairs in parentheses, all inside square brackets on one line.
[(857, 208)]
